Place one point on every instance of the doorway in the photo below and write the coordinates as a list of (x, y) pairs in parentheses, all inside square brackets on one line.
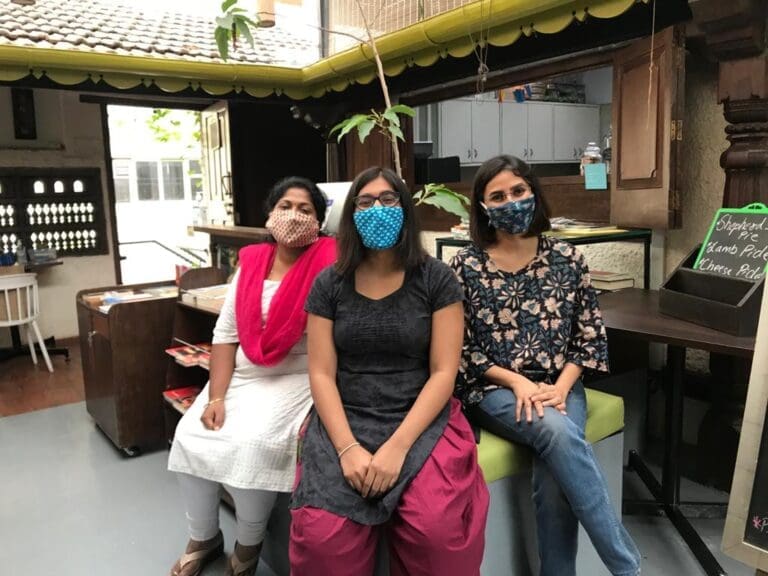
[(157, 172)]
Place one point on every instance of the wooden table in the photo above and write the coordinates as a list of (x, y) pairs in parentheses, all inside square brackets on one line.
[(634, 313), (640, 235), (232, 236)]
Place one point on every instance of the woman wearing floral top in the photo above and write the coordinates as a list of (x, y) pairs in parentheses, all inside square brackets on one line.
[(532, 327)]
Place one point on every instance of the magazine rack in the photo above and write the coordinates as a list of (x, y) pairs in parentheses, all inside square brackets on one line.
[(192, 324)]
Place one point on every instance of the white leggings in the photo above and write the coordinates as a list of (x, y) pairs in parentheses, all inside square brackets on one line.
[(201, 499)]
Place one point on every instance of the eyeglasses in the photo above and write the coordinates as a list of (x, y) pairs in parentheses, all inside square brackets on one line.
[(499, 196), (387, 198)]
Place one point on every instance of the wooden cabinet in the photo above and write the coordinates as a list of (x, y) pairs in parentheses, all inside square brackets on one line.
[(648, 123), (124, 366), (469, 129), (574, 127)]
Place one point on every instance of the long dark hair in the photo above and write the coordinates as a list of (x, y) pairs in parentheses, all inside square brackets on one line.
[(480, 229), (319, 201), (351, 250)]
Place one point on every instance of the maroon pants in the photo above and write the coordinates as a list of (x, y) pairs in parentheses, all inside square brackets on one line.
[(438, 528)]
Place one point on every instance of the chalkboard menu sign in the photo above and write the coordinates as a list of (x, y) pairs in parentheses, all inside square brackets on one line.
[(756, 531), (737, 243)]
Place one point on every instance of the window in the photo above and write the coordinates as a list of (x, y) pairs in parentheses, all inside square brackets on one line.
[(195, 177), (146, 175), (53, 207), (121, 174), (173, 180)]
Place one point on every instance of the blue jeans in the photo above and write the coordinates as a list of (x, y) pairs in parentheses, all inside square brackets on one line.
[(568, 485)]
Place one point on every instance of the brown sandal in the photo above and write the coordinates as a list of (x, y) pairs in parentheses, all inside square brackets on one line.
[(204, 556), (239, 568)]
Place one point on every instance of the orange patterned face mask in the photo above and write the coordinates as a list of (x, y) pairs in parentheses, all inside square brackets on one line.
[(293, 229)]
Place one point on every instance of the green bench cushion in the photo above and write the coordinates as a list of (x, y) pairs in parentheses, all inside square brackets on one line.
[(499, 458)]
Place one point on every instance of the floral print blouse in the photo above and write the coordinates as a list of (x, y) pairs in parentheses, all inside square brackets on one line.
[(532, 322)]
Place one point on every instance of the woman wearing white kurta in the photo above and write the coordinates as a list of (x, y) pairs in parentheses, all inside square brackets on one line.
[(241, 432)]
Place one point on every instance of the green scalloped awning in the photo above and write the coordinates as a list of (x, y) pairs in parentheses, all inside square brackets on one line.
[(454, 33)]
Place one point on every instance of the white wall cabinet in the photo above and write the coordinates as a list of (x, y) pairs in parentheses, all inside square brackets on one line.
[(526, 131), (574, 126), (537, 132), (469, 129)]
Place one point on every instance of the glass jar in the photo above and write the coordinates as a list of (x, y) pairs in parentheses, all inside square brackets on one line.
[(591, 155)]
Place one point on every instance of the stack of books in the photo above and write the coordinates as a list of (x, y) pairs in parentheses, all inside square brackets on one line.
[(182, 398), (192, 354), (209, 298), (611, 281)]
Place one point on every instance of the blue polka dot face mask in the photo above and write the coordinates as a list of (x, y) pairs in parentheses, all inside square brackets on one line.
[(379, 227), (512, 217)]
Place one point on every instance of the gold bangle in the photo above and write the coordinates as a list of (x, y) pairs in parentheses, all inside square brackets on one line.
[(341, 452), (214, 401)]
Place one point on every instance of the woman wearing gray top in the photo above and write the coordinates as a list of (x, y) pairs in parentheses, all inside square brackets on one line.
[(386, 445)]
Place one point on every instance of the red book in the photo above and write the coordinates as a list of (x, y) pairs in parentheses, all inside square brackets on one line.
[(191, 355), (182, 397)]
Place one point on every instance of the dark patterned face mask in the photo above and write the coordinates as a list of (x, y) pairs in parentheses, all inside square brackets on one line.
[(513, 217)]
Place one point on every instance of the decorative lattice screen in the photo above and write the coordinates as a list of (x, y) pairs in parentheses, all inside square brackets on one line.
[(53, 208)]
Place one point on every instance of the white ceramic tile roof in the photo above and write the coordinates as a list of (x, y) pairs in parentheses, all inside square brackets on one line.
[(119, 28)]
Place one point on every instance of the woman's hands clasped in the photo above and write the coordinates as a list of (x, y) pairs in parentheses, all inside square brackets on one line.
[(373, 474), (532, 396)]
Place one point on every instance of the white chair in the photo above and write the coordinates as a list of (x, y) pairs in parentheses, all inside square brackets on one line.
[(19, 306)]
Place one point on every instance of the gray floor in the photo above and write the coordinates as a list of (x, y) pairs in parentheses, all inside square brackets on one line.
[(71, 505)]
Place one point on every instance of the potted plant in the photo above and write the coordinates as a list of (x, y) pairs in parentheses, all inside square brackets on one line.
[(234, 22)]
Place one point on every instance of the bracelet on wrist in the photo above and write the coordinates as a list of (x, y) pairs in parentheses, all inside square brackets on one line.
[(343, 450), (214, 401)]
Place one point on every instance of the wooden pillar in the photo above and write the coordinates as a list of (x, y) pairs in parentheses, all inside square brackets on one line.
[(735, 34), (743, 92)]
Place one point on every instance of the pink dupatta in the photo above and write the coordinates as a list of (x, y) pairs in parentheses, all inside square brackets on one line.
[(266, 344)]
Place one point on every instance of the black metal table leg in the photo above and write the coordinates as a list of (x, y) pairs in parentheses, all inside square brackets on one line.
[(17, 349), (667, 494)]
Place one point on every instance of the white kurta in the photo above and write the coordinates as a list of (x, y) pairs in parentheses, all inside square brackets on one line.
[(265, 406)]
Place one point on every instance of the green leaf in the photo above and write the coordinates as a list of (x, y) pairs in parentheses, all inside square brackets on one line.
[(225, 21), (338, 127), (244, 31), (349, 124), (392, 117), (395, 131), (227, 4), (364, 129), (447, 202), (440, 189), (222, 41), (402, 109), (248, 21)]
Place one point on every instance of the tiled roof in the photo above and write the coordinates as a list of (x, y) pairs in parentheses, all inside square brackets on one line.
[(118, 28)]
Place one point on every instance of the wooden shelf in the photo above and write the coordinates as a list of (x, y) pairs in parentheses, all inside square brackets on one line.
[(198, 309), (190, 324)]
